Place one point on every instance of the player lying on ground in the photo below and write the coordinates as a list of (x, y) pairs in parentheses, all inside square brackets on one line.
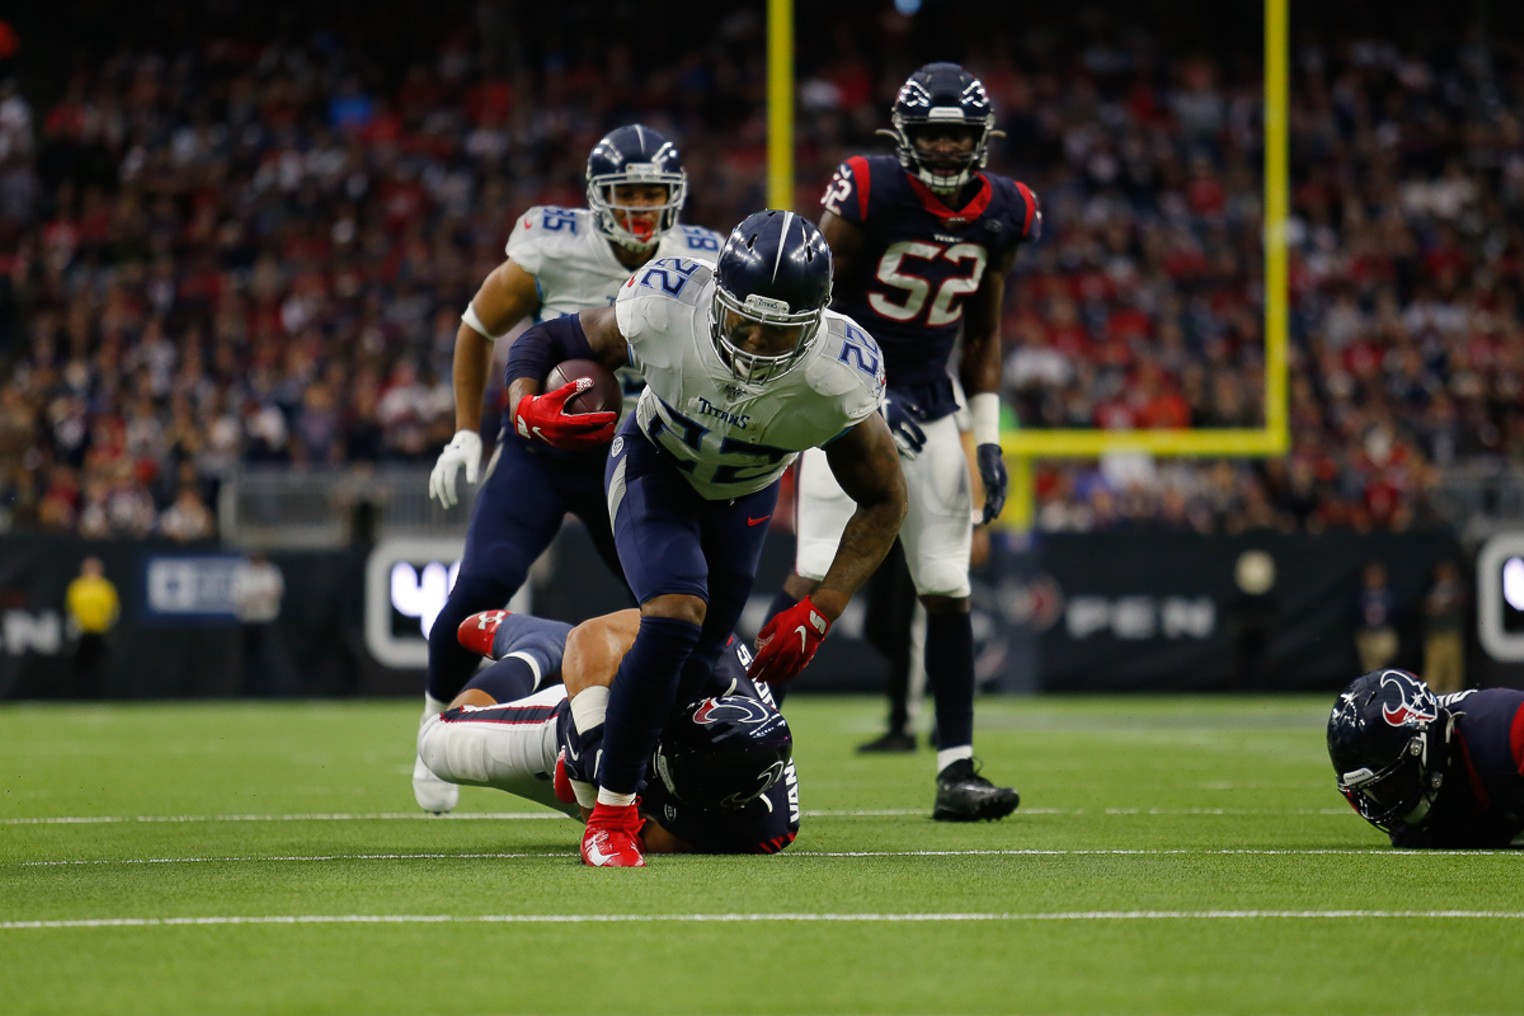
[(1431, 771), (721, 780)]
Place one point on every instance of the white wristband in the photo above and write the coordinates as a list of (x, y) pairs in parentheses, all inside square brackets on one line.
[(475, 323), (984, 414)]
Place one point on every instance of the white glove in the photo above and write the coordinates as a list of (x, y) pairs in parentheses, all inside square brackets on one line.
[(464, 449)]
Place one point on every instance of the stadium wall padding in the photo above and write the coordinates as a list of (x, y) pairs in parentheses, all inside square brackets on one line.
[(1080, 612)]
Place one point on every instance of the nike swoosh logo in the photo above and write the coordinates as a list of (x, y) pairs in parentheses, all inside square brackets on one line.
[(757, 522), (804, 640), (598, 857)]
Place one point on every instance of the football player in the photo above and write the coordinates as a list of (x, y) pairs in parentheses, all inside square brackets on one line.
[(923, 241), (744, 369), (1441, 771), (722, 779), (560, 261)]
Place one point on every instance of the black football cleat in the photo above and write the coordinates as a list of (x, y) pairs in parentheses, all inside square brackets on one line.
[(893, 741), (965, 796)]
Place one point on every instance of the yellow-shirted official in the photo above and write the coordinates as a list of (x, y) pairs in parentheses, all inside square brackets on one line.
[(93, 606), (91, 599)]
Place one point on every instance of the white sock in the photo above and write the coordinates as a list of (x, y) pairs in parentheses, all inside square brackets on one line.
[(947, 756), (432, 706), (616, 800), (589, 708)]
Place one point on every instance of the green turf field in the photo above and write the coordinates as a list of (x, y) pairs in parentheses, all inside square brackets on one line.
[(1170, 855)]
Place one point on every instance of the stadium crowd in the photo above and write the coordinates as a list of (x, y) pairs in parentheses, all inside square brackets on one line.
[(250, 240)]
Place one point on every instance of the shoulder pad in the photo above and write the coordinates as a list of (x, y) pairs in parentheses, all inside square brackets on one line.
[(691, 242), (659, 295), (545, 226), (848, 365)]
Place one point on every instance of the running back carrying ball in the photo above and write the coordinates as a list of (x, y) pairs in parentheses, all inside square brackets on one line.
[(605, 396)]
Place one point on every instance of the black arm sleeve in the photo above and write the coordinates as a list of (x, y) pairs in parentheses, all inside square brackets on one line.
[(545, 345)]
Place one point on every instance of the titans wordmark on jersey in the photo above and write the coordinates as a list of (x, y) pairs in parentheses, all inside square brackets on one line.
[(731, 438)]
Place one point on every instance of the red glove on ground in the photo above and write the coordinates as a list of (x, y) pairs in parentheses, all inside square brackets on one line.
[(544, 418), (788, 642)]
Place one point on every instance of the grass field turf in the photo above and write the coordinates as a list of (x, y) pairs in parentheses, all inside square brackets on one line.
[(1171, 855)]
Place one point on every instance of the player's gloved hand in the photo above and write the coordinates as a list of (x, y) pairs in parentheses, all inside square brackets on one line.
[(992, 472), (544, 418), (464, 449), (908, 434), (788, 642)]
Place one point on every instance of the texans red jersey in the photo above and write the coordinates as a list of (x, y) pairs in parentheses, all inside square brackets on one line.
[(922, 259), (1481, 803)]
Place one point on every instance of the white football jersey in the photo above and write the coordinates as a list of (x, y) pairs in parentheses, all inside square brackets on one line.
[(736, 438), (573, 263)]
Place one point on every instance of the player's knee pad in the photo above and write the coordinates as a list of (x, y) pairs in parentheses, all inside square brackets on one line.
[(943, 578)]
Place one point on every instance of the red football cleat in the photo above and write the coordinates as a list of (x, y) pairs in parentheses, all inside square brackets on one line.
[(612, 838), (478, 631)]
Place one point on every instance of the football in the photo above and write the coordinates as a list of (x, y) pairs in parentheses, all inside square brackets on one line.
[(605, 396)]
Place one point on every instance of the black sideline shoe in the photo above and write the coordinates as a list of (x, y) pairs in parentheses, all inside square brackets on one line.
[(893, 741), (965, 796)]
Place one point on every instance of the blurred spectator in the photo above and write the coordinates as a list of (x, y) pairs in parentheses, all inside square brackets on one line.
[(188, 519), (248, 240), (1375, 619), (258, 588), (1444, 632)]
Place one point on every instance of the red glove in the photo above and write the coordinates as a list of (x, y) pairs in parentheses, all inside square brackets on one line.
[(788, 642), (544, 418)]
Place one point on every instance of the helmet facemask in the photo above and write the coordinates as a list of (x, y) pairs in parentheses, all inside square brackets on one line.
[(1401, 791), (614, 213), (945, 174), (755, 368)]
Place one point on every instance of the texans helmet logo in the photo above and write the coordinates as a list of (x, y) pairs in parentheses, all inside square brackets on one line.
[(1405, 702), (733, 709)]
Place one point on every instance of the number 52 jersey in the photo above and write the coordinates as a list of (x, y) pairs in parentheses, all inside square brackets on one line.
[(730, 438), (921, 258)]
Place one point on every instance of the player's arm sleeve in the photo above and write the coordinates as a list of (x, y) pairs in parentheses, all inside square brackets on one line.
[(1031, 226), (545, 345), (846, 196)]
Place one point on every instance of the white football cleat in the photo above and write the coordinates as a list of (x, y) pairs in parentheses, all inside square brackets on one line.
[(432, 793)]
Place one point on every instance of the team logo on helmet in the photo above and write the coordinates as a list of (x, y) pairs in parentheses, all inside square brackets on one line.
[(1406, 702), (733, 709)]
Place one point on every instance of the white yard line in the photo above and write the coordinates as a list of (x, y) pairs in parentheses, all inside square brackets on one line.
[(733, 918), (534, 816), (994, 852)]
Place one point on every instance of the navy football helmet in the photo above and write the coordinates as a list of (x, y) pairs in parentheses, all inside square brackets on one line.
[(1389, 741), (934, 98), (720, 754), (774, 271), (634, 155)]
